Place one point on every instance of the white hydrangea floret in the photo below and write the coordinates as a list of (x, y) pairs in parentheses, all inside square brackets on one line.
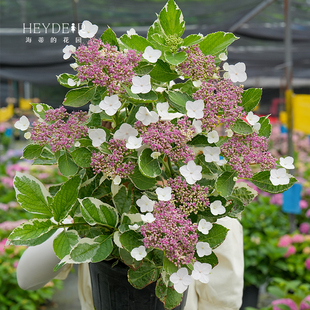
[(229, 133), (68, 50), (201, 272), (110, 104), (162, 110), (222, 56), (22, 124), (252, 118), (117, 180), (133, 227), (155, 155), (125, 131), (236, 72), (146, 117), (145, 204), (27, 135), (138, 253), (191, 172), (279, 177), (94, 108), (287, 162), (213, 136), (163, 194), (131, 32), (134, 143), (217, 208), (98, 136), (204, 226), (141, 85), (151, 54), (88, 30), (195, 108), (212, 153), (203, 248), (197, 125), (181, 280), (148, 217)]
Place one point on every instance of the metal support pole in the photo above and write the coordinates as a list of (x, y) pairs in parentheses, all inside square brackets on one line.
[(289, 89), (250, 15)]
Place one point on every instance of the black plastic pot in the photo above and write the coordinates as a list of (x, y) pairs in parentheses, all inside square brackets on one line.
[(112, 291), (250, 297)]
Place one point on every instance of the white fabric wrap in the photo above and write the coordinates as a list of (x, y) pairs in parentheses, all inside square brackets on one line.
[(225, 289)]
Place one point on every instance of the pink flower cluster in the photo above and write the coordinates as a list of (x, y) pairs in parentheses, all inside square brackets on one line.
[(189, 198), (197, 65), (287, 241), (222, 99), (172, 233), (284, 301), (113, 164), (105, 65), (242, 151), (168, 138), (60, 129), (10, 225)]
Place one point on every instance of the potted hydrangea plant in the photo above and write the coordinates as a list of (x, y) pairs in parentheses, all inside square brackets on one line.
[(154, 162)]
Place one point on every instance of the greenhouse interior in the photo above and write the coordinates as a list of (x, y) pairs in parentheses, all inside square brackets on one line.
[(215, 95)]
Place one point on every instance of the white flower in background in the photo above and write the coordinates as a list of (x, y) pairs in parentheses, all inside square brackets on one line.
[(163, 194), (181, 280), (162, 110), (141, 85), (217, 208), (229, 133), (212, 153), (155, 155), (203, 249), (110, 104), (77, 144), (197, 125), (133, 227), (252, 118), (39, 107), (287, 162), (27, 135), (223, 57), (22, 124), (145, 204), (138, 253), (68, 50), (125, 131), (117, 180), (98, 136), (204, 226), (213, 136), (197, 83), (94, 108), (148, 217), (235, 72), (134, 143), (146, 117), (191, 172), (88, 30), (279, 177), (150, 54), (195, 108), (131, 32), (201, 272)]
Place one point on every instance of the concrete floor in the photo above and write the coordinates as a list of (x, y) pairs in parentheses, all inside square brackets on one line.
[(67, 298)]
